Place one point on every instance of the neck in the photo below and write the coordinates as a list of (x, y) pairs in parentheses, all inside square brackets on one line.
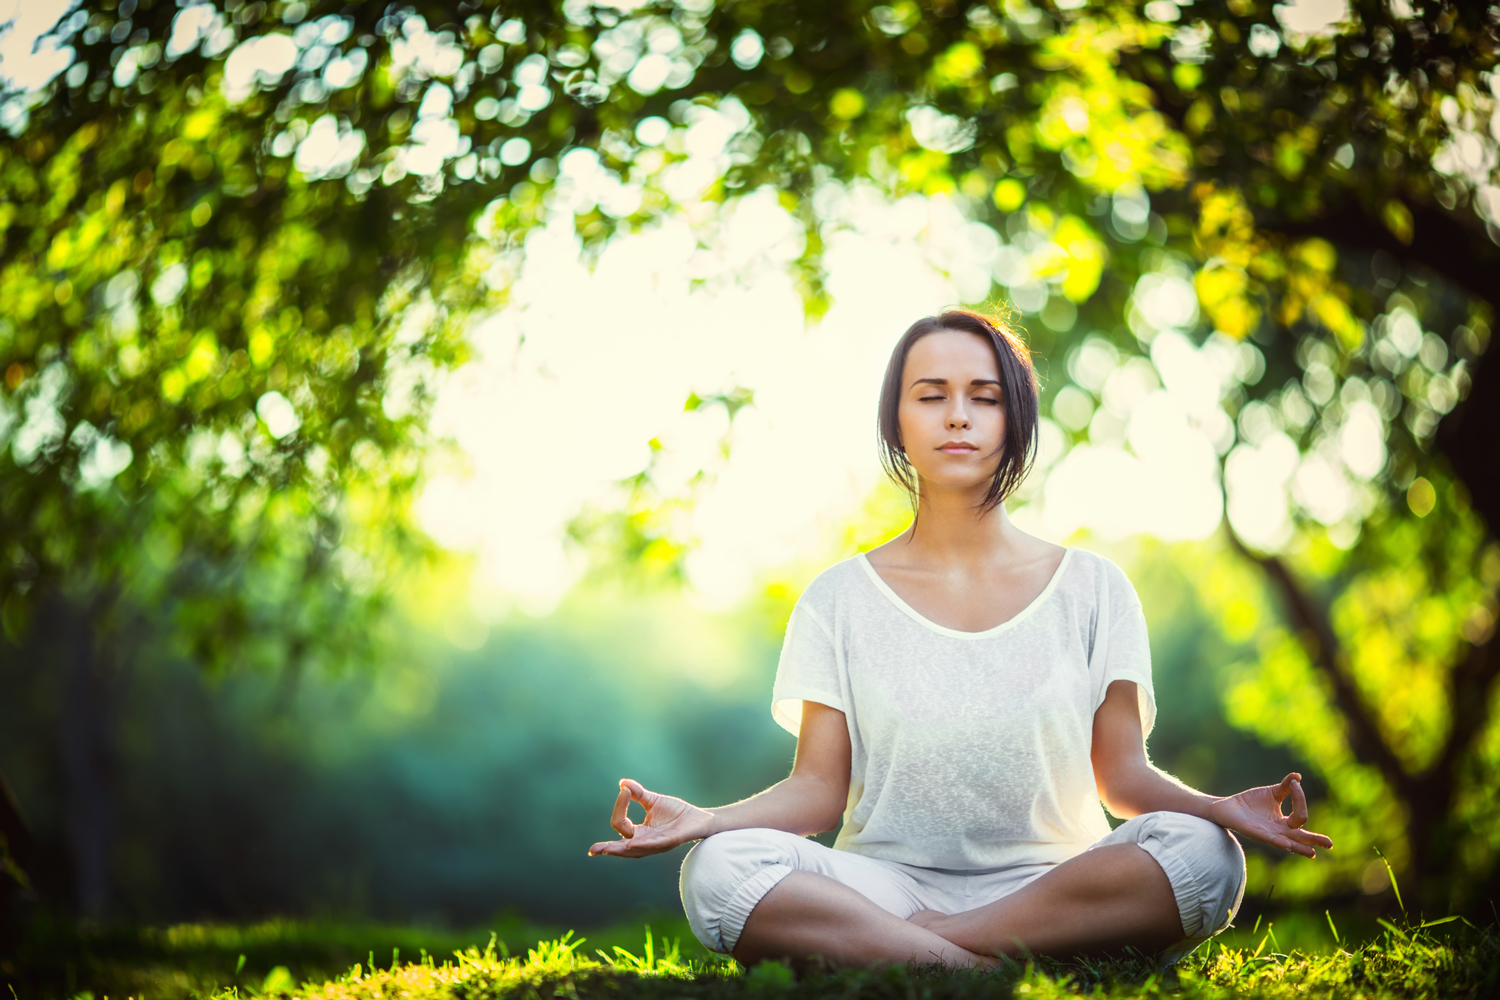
[(950, 527)]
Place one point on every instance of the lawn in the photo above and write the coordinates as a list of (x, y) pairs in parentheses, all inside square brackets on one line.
[(332, 961)]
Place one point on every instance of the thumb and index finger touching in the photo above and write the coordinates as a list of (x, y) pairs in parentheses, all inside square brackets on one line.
[(620, 817), (1298, 840), (619, 820), (1291, 787), (639, 792)]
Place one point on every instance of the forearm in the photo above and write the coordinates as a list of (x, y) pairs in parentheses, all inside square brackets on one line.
[(802, 804), (1142, 788)]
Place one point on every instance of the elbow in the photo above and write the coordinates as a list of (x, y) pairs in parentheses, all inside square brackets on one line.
[(1117, 796), (822, 804), (826, 818)]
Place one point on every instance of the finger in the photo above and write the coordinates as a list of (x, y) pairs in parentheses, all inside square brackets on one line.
[(1292, 847), (1310, 838), (648, 841), (1284, 788), (632, 849), (1299, 806), (640, 792), (626, 848), (619, 818)]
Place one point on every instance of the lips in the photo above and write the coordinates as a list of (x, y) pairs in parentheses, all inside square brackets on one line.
[(957, 447)]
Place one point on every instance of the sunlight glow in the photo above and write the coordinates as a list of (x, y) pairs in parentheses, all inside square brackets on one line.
[(592, 362), (587, 366)]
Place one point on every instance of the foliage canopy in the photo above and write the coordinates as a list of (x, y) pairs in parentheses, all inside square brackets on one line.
[(239, 238)]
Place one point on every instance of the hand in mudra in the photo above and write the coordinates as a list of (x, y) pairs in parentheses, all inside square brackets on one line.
[(669, 821), (1256, 812)]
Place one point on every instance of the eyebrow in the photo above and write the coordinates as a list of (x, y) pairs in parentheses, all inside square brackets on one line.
[(943, 381)]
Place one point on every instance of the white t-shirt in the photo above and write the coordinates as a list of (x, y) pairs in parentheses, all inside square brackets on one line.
[(970, 749)]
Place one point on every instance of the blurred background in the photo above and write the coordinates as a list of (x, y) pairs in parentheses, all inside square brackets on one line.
[(416, 417)]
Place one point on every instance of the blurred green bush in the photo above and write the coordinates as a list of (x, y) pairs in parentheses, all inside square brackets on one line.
[(457, 785)]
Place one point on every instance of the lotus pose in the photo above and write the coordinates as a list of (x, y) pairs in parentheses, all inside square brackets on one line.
[(965, 697)]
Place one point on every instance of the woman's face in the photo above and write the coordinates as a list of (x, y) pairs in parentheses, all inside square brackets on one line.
[(952, 412)]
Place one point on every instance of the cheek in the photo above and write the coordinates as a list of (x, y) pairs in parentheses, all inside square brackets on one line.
[(995, 423), (908, 423)]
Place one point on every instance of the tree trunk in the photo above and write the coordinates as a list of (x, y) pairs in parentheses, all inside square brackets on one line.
[(16, 831), (1470, 438), (84, 728), (17, 846)]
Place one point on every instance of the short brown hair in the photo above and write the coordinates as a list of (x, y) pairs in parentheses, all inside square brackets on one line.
[(1018, 389)]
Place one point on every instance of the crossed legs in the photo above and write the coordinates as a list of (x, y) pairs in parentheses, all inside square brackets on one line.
[(808, 917), (1162, 882), (1108, 898)]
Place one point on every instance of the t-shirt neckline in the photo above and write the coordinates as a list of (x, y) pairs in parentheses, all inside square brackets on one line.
[(1004, 626)]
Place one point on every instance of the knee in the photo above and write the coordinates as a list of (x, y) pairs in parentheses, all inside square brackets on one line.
[(1203, 862), (716, 868), (1220, 855), (713, 860)]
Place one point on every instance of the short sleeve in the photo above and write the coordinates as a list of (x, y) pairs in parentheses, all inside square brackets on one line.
[(808, 670), (1122, 649)]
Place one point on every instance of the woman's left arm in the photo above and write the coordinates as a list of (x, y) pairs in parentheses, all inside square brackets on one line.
[(1129, 784)]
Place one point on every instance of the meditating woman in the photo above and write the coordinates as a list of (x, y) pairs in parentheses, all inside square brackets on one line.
[(964, 696)]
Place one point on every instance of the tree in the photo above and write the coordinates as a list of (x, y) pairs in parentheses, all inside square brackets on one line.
[(316, 196)]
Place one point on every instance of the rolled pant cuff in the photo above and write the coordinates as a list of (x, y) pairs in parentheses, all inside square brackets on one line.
[(1192, 900), (737, 908)]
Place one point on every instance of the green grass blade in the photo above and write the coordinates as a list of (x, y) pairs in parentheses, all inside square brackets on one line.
[(1392, 873)]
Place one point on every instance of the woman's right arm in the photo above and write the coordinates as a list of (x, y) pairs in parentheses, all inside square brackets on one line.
[(810, 800)]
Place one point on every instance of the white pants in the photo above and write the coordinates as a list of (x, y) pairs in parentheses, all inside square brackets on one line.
[(726, 875)]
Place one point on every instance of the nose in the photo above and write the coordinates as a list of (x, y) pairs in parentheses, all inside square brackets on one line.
[(958, 417)]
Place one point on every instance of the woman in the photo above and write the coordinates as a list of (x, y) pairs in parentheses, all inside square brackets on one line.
[(964, 696)]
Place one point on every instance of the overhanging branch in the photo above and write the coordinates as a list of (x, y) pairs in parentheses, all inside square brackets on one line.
[(1324, 652), (1463, 253), (1440, 242)]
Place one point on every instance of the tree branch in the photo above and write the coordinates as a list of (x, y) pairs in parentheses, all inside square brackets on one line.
[(1469, 708), (1324, 652), (1461, 253), (1464, 254)]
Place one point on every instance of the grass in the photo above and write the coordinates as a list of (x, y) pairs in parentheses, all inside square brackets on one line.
[(66, 960), (1448, 958)]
